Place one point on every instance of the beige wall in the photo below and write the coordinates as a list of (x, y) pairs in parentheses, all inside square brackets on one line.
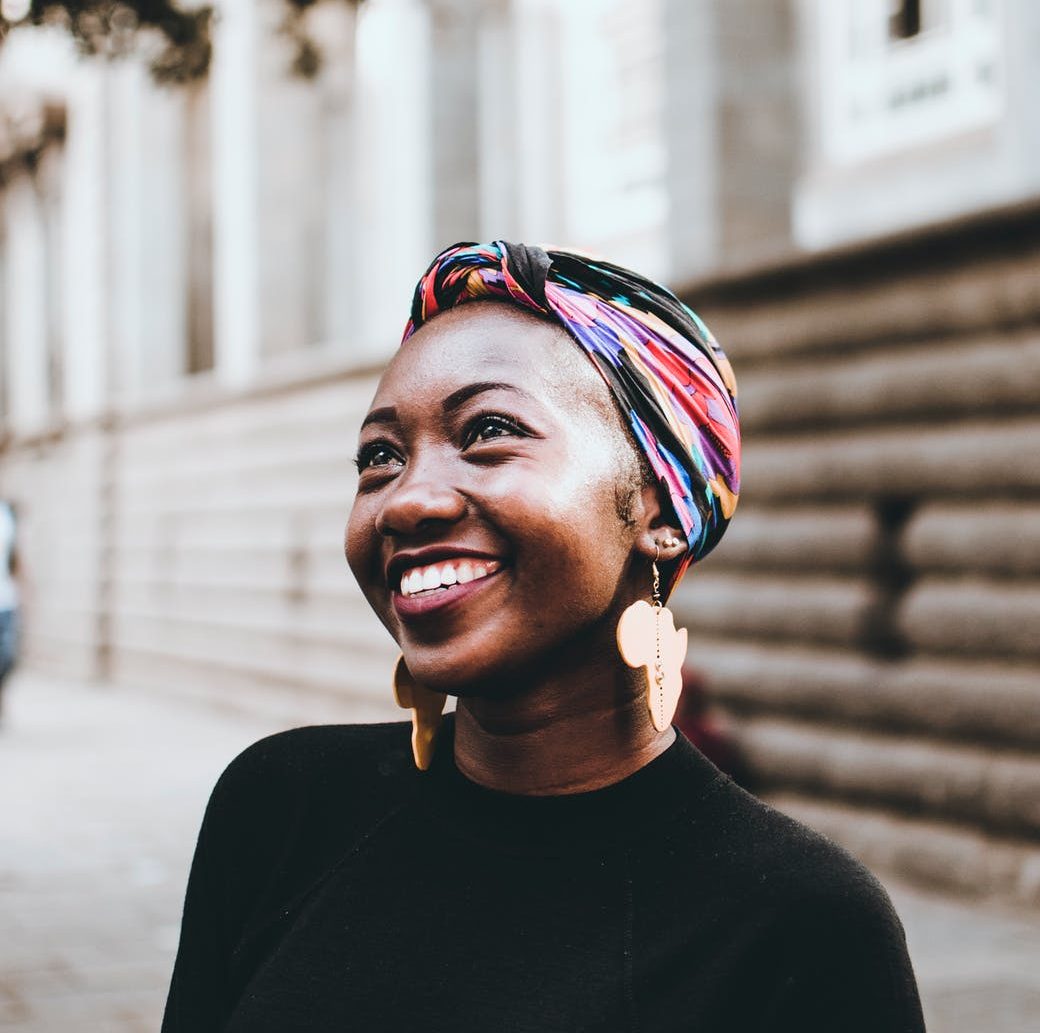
[(200, 550)]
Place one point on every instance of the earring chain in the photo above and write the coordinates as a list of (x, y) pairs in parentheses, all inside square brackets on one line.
[(658, 662)]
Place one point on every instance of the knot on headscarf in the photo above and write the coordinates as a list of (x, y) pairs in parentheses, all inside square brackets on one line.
[(674, 385)]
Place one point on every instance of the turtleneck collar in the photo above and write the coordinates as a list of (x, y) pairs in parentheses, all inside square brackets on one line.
[(674, 781)]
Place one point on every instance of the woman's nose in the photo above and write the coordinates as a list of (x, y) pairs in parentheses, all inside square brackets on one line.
[(419, 497)]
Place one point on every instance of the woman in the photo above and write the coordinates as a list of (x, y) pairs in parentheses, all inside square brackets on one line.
[(553, 444)]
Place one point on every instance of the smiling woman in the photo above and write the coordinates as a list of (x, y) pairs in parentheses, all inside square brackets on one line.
[(551, 447)]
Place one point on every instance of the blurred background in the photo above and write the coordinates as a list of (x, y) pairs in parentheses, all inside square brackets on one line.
[(210, 224)]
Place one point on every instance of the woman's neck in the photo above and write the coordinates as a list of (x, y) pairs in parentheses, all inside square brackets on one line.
[(558, 739)]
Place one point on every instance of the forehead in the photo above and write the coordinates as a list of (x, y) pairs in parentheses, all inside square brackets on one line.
[(487, 340)]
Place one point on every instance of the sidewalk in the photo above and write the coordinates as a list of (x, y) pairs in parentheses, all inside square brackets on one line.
[(102, 792)]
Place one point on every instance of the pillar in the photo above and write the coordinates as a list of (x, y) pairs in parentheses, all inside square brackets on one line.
[(25, 307)]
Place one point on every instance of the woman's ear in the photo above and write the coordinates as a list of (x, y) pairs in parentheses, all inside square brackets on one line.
[(658, 534)]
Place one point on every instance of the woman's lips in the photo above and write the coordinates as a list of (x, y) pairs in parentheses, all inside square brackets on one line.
[(438, 599)]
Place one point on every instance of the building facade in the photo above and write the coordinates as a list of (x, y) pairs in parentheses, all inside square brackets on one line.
[(198, 286)]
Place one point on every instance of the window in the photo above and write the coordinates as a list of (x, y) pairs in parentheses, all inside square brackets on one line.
[(904, 21), (894, 74)]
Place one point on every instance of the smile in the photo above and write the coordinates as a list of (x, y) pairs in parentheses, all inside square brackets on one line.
[(442, 585), (438, 576)]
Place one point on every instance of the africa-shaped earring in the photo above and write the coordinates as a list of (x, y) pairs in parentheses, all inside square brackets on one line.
[(647, 638), (426, 706)]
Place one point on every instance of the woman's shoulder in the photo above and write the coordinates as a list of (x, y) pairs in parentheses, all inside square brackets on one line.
[(311, 748), (763, 854), (341, 762), (812, 927)]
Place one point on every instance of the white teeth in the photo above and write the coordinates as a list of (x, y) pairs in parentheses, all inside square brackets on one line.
[(438, 575)]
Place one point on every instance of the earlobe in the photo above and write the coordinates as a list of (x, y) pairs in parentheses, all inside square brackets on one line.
[(659, 538)]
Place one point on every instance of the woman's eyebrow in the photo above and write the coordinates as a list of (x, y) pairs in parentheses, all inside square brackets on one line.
[(388, 413), (464, 394)]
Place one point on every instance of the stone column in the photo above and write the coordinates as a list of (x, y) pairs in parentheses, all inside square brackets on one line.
[(146, 226), (395, 195), (25, 306), (538, 176), (759, 127), (336, 211), (237, 313), (691, 97), (283, 195), (734, 131), (455, 118), (497, 110), (84, 257), (236, 230)]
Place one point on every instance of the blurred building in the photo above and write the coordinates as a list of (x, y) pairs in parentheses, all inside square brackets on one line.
[(199, 284)]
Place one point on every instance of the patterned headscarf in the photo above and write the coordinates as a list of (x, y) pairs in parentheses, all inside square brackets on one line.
[(670, 378)]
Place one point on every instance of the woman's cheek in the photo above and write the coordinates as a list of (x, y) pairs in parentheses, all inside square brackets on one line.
[(361, 544)]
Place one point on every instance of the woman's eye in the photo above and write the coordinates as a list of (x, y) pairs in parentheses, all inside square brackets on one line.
[(487, 428), (376, 455)]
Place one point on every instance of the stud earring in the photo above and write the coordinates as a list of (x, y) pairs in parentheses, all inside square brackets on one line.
[(647, 638), (426, 706)]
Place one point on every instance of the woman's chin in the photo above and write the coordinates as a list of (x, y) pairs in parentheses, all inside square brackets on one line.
[(464, 677)]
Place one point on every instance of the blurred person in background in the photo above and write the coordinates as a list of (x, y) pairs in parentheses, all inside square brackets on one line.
[(553, 445), (9, 593)]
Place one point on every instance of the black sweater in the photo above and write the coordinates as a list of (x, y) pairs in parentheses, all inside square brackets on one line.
[(334, 887)]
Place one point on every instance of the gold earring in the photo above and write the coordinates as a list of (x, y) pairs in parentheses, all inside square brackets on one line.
[(647, 638), (426, 706)]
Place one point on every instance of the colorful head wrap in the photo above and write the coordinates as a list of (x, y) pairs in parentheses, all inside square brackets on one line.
[(665, 370)]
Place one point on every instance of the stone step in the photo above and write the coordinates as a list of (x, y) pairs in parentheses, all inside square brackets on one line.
[(306, 695), (999, 538), (980, 458), (971, 700), (836, 308), (293, 493), (254, 419), (322, 477), (284, 525), (332, 596), (60, 655), (991, 788), (245, 657), (274, 625), (988, 374), (271, 562), (814, 609), (247, 461), (824, 538), (973, 616)]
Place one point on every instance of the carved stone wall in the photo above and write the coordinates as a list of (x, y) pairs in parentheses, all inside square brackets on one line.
[(871, 621)]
